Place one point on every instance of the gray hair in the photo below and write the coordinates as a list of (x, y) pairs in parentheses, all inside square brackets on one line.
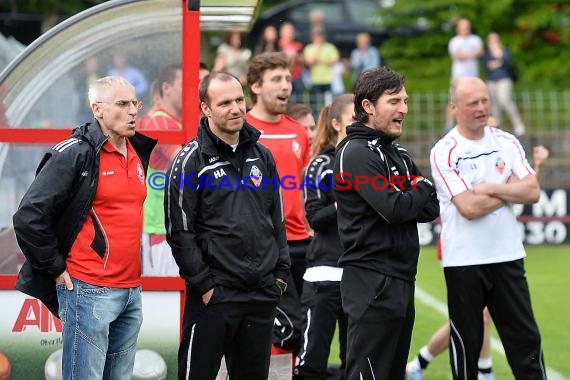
[(100, 87)]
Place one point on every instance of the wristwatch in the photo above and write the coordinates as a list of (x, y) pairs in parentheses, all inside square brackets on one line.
[(282, 285)]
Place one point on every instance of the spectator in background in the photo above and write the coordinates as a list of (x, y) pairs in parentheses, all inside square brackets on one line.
[(204, 70), (293, 49), (498, 65), (317, 19), (304, 116), (268, 42), (131, 73), (232, 56), (89, 74), (464, 49), (155, 104), (321, 299), (364, 57), (339, 71), (320, 56), (155, 95), (539, 156), (167, 116)]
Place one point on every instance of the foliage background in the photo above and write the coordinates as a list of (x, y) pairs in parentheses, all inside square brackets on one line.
[(536, 31)]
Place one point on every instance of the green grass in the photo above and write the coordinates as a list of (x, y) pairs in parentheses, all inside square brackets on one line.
[(547, 273)]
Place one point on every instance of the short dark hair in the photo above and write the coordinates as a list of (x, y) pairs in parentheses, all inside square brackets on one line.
[(167, 75), (298, 110), (205, 83), (371, 85), (261, 63)]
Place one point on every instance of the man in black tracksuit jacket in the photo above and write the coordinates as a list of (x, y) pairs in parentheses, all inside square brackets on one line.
[(381, 195), (224, 222)]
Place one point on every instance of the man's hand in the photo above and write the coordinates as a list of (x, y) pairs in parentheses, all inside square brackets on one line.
[(484, 189), (206, 297), (417, 179), (64, 278)]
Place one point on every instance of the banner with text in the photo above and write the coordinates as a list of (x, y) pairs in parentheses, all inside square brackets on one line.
[(545, 222)]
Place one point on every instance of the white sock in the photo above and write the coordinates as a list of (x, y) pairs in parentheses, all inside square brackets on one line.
[(424, 352), (485, 363)]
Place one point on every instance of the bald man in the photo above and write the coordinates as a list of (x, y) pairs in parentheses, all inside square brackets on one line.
[(479, 171)]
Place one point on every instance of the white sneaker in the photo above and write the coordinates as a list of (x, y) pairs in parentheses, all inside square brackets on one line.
[(413, 372), (485, 376)]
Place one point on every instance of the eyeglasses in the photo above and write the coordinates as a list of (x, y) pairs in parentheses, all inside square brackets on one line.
[(126, 103)]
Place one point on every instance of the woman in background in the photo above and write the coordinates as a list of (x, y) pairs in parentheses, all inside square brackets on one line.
[(233, 57), (321, 300), (499, 67), (268, 42)]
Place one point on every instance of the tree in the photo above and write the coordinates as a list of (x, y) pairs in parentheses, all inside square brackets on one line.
[(51, 11), (536, 32)]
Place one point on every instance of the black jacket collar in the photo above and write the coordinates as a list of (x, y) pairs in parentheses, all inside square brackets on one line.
[(92, 133), (328, 150), (212, 145), (360, 131)]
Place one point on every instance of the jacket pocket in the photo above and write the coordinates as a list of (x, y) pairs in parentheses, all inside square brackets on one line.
[(98, 244)]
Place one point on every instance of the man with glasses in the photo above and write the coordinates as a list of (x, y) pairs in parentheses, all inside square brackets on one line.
[(79, 226)]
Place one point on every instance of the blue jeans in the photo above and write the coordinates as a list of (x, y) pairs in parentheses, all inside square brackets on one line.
[(100, 330)]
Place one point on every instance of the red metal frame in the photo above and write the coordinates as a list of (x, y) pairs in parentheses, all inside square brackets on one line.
[(148, 283), (52, 136), (190, 116), (190, 110), (190, 70)]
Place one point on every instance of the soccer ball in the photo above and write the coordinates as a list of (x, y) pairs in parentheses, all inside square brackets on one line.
[(149, 365), (52, 368)]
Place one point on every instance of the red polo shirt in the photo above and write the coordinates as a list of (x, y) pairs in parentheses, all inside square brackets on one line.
[(107, 249), (288, 142)]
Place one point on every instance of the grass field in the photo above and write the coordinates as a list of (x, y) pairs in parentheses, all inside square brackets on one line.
[(548, 274)]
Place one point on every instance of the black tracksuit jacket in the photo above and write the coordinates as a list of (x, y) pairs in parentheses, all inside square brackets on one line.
[(226, 227), (378, 227), (325, 248)]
